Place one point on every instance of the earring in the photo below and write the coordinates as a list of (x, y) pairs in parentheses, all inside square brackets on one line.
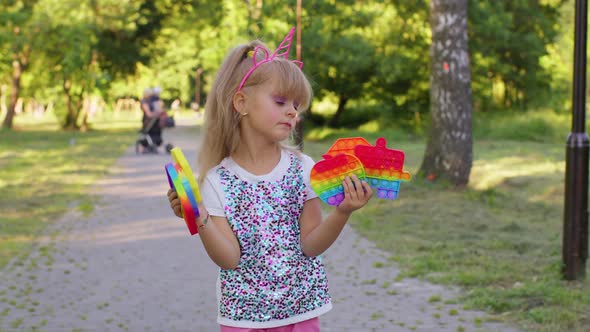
[(244, 114)]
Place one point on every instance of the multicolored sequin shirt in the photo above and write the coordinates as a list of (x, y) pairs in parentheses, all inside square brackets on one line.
[(274, 284)]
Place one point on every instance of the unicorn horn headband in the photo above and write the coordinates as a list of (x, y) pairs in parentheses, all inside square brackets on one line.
[(281, 52)]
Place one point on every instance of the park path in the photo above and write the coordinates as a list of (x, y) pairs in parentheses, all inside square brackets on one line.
[(131, 266)]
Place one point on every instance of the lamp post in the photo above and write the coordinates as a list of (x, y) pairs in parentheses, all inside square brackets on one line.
[(575, 225)]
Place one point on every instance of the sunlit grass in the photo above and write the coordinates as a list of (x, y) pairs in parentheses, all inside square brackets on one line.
[(499, 238), (45, 172), (34, 121)]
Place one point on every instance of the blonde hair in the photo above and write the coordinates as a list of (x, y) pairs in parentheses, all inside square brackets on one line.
[(221, 134)]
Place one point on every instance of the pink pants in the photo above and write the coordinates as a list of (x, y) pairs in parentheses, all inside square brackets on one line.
[(311, 325)]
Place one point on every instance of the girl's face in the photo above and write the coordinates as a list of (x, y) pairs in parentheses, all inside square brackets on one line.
[(271, 114)]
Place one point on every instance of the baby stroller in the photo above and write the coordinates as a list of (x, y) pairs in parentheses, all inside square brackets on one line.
[(150, 135)]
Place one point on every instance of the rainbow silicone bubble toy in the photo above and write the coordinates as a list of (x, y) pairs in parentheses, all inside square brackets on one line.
[(180, 178), (327, 176), (180, 160), (380, 166), (346, 145), (384, 168)]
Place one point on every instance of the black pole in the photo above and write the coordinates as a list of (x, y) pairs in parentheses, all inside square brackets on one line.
[(575, 226)]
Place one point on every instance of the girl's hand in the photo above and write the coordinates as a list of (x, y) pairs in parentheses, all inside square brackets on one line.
[(174, 203), (356, 194)]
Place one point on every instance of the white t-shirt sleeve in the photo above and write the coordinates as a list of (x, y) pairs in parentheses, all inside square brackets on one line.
[(307, 166), (212, 196)]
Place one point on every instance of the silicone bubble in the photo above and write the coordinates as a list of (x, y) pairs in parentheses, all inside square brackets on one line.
[(327, 176)]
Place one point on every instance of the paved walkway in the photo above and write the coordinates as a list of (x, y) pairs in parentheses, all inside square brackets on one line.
[(132, 266)]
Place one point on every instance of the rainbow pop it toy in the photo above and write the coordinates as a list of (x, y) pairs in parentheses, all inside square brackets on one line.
[(181, 179), (180, 160), (384, 168), (346, 145), (327, 176), (380, 166)]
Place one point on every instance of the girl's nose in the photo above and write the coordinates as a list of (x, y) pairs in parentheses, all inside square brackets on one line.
[(292, 111)]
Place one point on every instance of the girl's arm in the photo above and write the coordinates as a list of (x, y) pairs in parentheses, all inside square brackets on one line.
[(318, 236), (218, 239)]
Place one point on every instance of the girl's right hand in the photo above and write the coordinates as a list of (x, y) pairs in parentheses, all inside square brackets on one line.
[(174, 203), (356, 194)]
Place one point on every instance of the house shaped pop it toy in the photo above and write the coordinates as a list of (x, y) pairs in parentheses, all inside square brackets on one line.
[(327, 176), (380, 166), (383, 167), (346, 145)]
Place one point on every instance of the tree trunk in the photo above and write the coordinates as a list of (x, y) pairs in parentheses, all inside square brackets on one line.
[(336, 118), (449, 150), (70, 120), (79, 111), (17, 71)]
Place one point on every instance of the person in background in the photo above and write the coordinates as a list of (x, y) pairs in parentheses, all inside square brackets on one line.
[(152, 108)]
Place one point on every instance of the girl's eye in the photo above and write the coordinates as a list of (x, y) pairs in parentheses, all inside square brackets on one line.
[(283, 101), (280, 101)]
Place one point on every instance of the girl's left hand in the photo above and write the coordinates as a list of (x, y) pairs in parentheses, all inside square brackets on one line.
[(174, 202), (356, 194)]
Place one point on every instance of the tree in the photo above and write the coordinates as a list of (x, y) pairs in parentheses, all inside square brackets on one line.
[(90, 43), (69, 54), (180, 47), (353, 56), (401, 35), (508, 40), (16, 38), (449, 148), (342, 59)]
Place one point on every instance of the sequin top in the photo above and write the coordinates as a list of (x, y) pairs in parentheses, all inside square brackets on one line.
[(274, 284)]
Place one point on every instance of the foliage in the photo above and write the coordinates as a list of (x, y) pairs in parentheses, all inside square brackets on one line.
[(343, 58), (401, 36), (507, 41), (537, 126), (123, 29), (358, 51), (16, 32), (559, 60)]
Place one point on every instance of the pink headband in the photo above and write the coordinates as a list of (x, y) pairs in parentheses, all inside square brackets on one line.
[(281, 52)]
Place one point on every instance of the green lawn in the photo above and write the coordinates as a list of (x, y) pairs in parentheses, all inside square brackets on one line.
[(46, 171), (500, 238)]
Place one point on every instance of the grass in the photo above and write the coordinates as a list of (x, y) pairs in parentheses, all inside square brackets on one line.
[(46, 171), (499, 239)]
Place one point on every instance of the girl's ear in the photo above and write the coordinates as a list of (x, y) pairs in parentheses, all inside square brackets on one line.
[(239, 102)]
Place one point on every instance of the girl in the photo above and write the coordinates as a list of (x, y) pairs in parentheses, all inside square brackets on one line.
[(260, 221)]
